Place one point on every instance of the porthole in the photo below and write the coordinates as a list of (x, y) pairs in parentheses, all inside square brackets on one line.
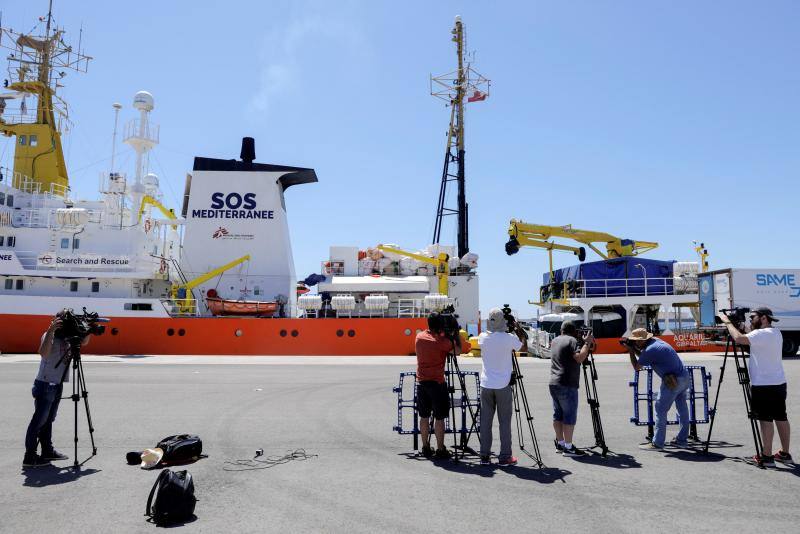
[(181, 332), (283, 333), (114, 331), (351, 333), (340, 333), (170, 332), (238, 333), (295, 333), (407, 331)]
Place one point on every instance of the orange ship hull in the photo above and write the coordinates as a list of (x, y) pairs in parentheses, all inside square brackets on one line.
[(680, 342), (245, 336)]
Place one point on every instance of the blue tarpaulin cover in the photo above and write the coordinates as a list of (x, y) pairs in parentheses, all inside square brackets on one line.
[(619, 276)]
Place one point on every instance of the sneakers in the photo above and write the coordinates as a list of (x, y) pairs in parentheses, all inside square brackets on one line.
[(486, 460), (511, 460), (650, 447), (783, 457), (34, 460), (764, 461), (572, 451), (559, 448), (679, 444), (54, 455), (427, 451), (442, 454)]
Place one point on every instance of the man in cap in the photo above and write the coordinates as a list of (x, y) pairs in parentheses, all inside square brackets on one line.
[(767, 379), (565, 368), (496, 396), (674, 376), (432, 347), (47, 388)]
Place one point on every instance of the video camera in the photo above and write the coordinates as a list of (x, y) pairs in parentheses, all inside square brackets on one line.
[(737, 316), (512, 325), (75, 327), (449, 322)]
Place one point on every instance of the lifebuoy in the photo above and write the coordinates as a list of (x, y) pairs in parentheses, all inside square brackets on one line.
[(163, 268)]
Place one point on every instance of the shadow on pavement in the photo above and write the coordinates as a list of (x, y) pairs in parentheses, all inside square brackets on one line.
[(178, 523), (694, 455), (613, 459), (471, 466), (50, 475)]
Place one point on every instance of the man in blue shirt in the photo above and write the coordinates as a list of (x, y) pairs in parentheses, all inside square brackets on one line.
[(674, 384)]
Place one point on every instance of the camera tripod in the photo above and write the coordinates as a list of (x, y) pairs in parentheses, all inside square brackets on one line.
[(73, 359), (521, 398), (590, 372), (731, 348), (460, 441)]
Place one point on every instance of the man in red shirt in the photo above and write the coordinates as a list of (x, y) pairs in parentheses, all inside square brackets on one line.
[(432, 348)]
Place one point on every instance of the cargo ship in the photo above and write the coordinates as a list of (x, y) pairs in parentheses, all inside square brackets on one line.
[(217, 277)]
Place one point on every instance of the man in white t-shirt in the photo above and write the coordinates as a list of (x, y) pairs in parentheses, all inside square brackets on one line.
[(496, 395), (767, 380)]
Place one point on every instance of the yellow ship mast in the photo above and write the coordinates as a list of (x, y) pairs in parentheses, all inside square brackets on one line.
[(37, 65)]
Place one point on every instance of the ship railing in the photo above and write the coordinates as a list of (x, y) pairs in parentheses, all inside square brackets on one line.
[(402, 308), (19, 117), (608, 288), (46, 218), (332, 268), (539, 342), (133, 130)]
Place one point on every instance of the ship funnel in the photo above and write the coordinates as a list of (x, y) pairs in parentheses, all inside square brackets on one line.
[(248, 149)]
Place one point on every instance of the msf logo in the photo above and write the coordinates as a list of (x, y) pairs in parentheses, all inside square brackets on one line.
[(785, 280), (219, 232)]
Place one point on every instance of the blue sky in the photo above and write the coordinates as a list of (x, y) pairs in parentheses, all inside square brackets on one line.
[(656, 121)]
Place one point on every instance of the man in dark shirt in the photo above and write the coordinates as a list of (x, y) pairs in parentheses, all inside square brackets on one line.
[(674, 385), (46, 392), (565, 367), (432, 348)]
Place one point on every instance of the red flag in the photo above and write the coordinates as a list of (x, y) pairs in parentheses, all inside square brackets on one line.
[(477, 96)]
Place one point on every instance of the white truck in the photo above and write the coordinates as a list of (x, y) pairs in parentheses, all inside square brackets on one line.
[(777, 289)]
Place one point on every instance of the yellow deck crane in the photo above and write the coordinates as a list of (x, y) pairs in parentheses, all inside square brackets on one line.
[(702, 251), (441, 265), (522, 234), (147, 199), (181, 293)]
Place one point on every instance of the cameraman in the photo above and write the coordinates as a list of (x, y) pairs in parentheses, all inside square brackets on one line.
[(496, 395), (767, 379), (674, 384), (46, 391), (432, 347), (565, 367)]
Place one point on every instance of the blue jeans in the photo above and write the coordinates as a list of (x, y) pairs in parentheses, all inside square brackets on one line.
[(565, 404), (40, 430), (666, 397)]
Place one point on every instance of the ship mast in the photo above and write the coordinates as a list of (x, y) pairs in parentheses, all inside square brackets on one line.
[(37, 65), (455, 87)]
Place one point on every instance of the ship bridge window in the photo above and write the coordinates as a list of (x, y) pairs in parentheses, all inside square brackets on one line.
[(33, 140), (1, 240), (139, 306), (76, 243), (73, 286), (2, 198), (23, 140), (64, 242), (11, 241), (20, 285), (9, 283), (10, 201), (95, 287)]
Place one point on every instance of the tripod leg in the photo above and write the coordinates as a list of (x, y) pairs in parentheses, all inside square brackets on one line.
[(75, 398), (744, 380), (713, 411), (85, 395)]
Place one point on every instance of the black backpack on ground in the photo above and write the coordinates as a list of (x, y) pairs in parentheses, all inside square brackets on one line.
[(181, 448), (171, 499)]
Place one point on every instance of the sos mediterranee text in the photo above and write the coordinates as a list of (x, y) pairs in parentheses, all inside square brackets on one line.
[(233, 206)]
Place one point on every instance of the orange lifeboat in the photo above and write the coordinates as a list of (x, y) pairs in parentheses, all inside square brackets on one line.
[(219, 306)]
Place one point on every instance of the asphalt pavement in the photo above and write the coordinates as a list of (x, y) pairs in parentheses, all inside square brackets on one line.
[(364, 477)]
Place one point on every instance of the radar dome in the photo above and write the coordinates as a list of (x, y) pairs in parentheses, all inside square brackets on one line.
[(143, 101)]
